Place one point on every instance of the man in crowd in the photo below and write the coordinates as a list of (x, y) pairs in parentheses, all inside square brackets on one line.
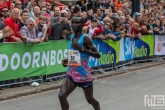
[(5, 13), (12, 23), (59, 24)]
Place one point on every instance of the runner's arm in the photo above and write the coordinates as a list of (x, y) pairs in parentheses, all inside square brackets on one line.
[(91, 49)]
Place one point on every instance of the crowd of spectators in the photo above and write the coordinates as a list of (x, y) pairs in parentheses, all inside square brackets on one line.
[(29, 20), (105, 19)]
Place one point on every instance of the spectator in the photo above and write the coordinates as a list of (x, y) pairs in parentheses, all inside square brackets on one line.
[(69, 14), (29, 31), (5, 32), (19, 5), (4, 13), (150, 24), (1, 28), (109, 4), (40, 27), (35, 13), (98, 14), (76, 11), (49, 8), (82, 4), (56, 11), (158, 29), (99, 3), (5, 3), (138, 19), (41, 3), (24, 18), (135, 31), (89, 5), (12, 6), (94, 28), (12, 23), (59, 24)]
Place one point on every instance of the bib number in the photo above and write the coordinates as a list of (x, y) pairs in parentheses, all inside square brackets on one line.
[(74, 58)]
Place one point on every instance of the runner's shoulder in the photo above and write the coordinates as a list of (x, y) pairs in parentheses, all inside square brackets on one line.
[(87, 39)]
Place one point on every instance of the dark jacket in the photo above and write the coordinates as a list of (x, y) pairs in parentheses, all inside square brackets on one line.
[(1, 28), (57, 29), (160, 29)]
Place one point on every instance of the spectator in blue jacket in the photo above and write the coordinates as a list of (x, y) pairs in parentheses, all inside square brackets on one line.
[(157, 28)]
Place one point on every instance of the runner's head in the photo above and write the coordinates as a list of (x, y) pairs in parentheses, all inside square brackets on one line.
[(77, 24)]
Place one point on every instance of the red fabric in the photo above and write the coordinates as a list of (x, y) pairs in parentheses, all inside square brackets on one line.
[(49, 31), (22, 1), (85, 24), (98, 31), (37, 20), (61, 6), (15, 27), (133, 31), (7, 4), (118, 5)]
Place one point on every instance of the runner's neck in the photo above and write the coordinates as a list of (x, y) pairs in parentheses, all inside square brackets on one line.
[(78, 34)]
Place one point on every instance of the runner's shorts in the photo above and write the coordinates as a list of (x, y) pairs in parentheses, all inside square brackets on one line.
[(80, 84)]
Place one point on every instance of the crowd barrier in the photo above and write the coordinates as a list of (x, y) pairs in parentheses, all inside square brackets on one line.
[(29, 60)]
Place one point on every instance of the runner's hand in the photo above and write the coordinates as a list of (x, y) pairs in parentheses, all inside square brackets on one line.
[(65, 62), (76, 45)]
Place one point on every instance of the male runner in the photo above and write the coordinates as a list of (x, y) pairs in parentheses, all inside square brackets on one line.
[(78, 73)]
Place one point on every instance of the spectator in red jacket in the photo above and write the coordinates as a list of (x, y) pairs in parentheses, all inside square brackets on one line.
[(93, 28), (135, 31), (12, 23)]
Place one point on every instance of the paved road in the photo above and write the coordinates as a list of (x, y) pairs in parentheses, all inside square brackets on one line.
[(122, 92)]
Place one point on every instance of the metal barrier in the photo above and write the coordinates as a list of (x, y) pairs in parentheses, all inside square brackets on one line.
[(96, 70), (101, 69)]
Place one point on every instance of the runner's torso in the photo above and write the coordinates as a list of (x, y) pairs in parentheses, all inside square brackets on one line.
[(80, 73)]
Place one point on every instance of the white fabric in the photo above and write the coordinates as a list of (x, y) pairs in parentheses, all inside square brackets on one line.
[(1, 35), (91, 31)]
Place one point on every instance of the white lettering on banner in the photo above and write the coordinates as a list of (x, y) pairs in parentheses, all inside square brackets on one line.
[(36, 58), (3, 58), (66, 53), (27, 54), (53, 57), (59, 54), (15, 55), (32, 60), (45, 58), (129, 46)]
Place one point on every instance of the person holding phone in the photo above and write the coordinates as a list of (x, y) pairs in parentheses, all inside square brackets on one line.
[(58, 25)]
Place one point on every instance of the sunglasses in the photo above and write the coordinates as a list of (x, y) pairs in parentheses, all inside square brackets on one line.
[(107, 24), (42, 19), (19, 4), (31, 24), (5, 11)]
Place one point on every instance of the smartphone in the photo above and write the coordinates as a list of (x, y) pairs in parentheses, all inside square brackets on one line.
[(63, 15)]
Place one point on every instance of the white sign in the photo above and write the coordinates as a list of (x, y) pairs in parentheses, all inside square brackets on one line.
[(159, 45)]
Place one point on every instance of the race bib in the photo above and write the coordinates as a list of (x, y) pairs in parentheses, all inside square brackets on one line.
[(74, 58)]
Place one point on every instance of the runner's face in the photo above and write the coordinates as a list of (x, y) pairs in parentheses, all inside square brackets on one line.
[(76, 24)]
